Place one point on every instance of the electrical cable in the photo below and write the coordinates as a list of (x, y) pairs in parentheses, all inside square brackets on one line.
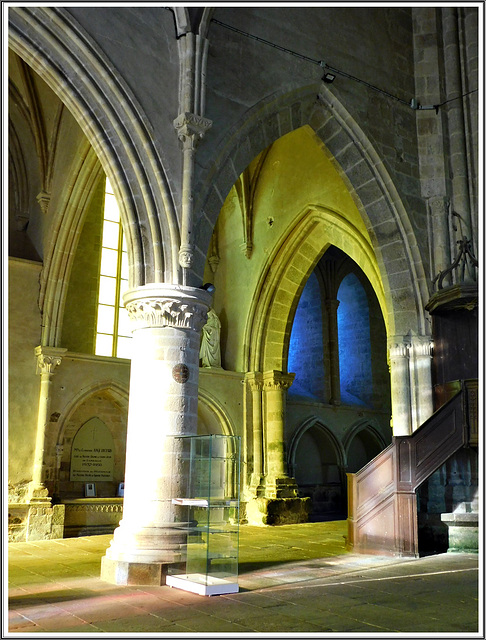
[(456, 98), (410, 103)]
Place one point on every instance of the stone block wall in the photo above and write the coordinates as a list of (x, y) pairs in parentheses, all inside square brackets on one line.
[(35, 521)]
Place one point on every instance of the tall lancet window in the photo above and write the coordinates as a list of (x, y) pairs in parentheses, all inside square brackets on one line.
[(113, 337)]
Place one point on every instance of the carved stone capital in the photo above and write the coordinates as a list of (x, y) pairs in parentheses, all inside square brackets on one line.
[(422, 347), (166, 305), (439, 206), (399, 349), (213, 262), (48, 358), (254, 380), (22, 221), (44, 198), (332, 304), (191, 128), (276, 380)]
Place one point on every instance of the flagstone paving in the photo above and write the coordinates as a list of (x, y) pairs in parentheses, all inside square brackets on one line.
[(293, 579)]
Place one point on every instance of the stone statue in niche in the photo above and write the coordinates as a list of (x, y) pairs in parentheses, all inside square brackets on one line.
[(210, 350)]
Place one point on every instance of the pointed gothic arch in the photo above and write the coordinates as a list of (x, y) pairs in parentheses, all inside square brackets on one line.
[(116, 392), (314, 423), (283, 279), (212, 405), (363, 428), (61, 250), (55, 45), (363, 172)]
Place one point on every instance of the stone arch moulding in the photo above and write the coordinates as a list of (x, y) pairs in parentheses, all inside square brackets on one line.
[(299, 432), (358, 427), (51, 41), (270, 319), (61, 250), (117, 392), (360, 167), (217, 408)]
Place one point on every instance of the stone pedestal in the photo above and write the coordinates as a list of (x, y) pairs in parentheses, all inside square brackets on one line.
[(166, 322), (274, 511), (463, 528)]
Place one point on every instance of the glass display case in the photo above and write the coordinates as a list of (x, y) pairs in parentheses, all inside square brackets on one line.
[(207, 505)]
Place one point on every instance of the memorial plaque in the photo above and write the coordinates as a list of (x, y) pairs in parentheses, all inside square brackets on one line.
[(180, 373), (92, 453)]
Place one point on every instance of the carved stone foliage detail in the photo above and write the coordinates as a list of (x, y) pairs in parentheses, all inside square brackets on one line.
[(166, 313), (48, 359), (276, 380), (191, 128), (399, 350), (98, 508)]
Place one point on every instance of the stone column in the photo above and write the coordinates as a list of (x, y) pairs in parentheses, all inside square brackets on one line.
[(255, 382), (400, 387), (331, 310), (421, 362), (456, 120), (166, 324), (190, 129), (278, 484), (48, 358), (439, 223)]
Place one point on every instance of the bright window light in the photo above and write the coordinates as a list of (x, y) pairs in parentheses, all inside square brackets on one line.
[(107, 291), (113, 336), (106, 319)]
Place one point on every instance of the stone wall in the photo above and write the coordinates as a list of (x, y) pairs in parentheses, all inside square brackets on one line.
[(23, 391)]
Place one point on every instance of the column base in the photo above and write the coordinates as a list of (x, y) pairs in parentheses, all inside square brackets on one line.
[(275, 511), (281, 487), (256, 488), (38, 493), (127, 573)]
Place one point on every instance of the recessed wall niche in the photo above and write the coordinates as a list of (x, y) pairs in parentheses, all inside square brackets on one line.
[(98, 422)]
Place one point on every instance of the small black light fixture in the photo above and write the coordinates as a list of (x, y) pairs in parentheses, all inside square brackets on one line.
[(209, 287), (328, 77)]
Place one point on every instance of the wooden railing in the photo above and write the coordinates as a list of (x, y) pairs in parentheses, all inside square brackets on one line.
[(382, 504)]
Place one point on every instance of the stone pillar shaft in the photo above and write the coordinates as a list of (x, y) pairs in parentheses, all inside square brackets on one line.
[(411, 382), (331, 310), (255, 383), (48, 358), (422, 367), (275, 385), (400, 388), (166, 322)]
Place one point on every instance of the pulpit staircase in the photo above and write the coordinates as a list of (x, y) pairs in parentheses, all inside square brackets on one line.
[(382, 503)]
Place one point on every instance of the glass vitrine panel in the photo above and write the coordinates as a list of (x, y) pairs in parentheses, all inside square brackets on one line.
[(208, 508)]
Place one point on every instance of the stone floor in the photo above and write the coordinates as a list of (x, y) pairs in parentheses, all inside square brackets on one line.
[(293, 579)]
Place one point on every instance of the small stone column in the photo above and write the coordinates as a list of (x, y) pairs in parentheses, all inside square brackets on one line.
[(255, 382), (166, 324), (421, 351), (279, 502), (48, 358), (331, 310), (278, 484), (400, 387)]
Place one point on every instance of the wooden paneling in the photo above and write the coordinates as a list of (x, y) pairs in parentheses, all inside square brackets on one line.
[(382, 504)]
